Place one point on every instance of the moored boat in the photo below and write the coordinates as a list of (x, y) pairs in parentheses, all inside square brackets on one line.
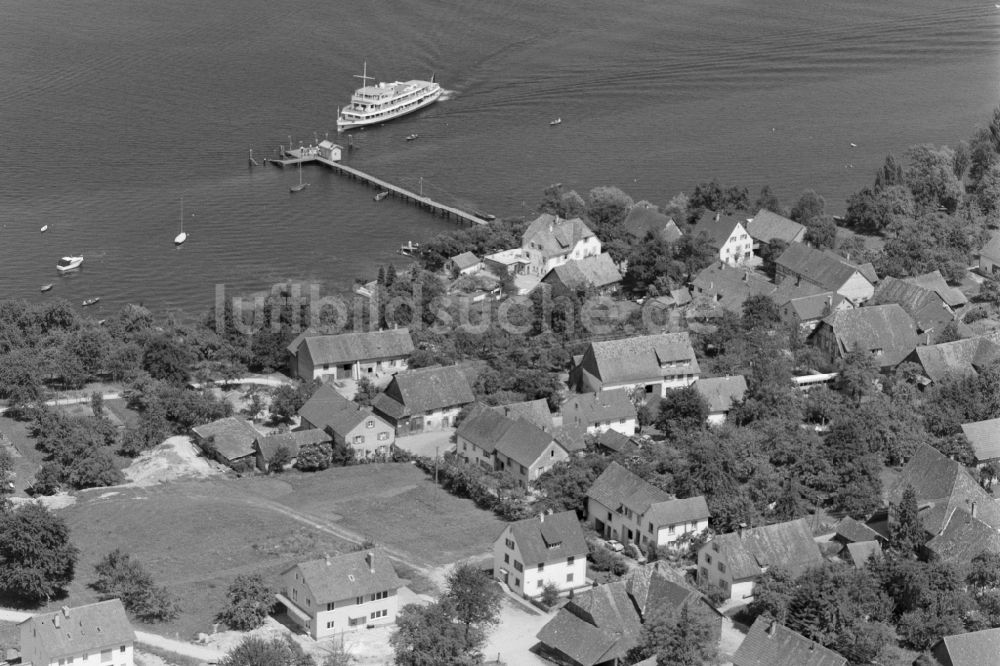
[(91, 301), (46, 287), (412, 137), (410, 249), (557, 121), (68, 264), (381, 195), (44, 229), (382, 102)]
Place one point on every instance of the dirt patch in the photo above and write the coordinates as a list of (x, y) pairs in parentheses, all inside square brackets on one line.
[(59, 501), (174, 459)]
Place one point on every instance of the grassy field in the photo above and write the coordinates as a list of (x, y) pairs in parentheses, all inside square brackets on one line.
[(196, 536)]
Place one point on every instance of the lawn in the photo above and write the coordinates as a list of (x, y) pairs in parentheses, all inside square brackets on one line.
[(196, 536)]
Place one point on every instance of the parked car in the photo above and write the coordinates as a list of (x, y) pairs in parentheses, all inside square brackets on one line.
[(614, 546)]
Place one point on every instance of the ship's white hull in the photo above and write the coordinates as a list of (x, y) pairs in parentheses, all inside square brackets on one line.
[(352, 123)]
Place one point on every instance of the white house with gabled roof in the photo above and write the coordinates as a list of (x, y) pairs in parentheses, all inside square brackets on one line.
[(95, 634), (532, 553), (551, 241)]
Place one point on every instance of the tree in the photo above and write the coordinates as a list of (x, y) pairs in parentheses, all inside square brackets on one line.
[(680, 638), (366, 393), (37, 560), (281, 457), (565, 484), (121, 576), (984, 574), (314, 457), (906, 530), (337, 654), (822, 231), (767, 200), (988, 193), (682, 411), (559, 201), (772, 594), (890, 175), (607, 206), (165, 359), (256, 651), (809, 207), (931, 177), (760, 311), (475, 601), (249, 601), (429, 636), (285, 403), (858, 374)]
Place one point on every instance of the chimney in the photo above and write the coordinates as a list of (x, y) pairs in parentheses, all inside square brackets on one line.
[(772, 629), (370, 560)]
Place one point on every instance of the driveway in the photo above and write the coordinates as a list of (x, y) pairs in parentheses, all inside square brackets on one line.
[(427, 444), (513, 637)]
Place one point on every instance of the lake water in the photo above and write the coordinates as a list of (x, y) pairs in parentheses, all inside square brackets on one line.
[(112, 110)]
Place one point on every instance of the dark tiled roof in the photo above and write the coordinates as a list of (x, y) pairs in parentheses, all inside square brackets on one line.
[(943, 485), (958, 356), (597, 271), (718, 227), (390, 407), (788, 545), (72, 631), (767, 226), (351, 347), (861, 551), (293, 441), (977, 648), (549, 538), (936, 282), (347, 420), (555, 235), (324, 403), (234, 438), (430, 389), (721, 392), (642, 220), (854, 531), (590, 408), (523, 442), (826, 270), (812, 308), (484, 427), (616, 487), (927, 309), (964, 537), (644, 581), (570, 437), (533, 411), (885, 327), (984, 437), (674, 512), (465, 260), (348, 576), (771, 644), (595, 627), (731, 286), (638, 359), (613, 440)]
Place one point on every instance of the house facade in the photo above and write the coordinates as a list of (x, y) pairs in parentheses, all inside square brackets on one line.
[(826, 270), (551, 241), (346, 422), (464, 264), (727, 235), (598, 412), (548, 549), (624, 507), (734, 562), (93, 635), (329, 596), (350, 355), (525, 452), (766, 227), (424, 400), (267, 446), (657, 363), (595, 274), (720, 393)]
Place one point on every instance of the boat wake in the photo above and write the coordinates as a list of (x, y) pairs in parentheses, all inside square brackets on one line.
[(447, 95)]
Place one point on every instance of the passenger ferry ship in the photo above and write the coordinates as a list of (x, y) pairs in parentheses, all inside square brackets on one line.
[(371, 105)]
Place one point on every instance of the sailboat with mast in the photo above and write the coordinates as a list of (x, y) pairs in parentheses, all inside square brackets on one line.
[(182, 236), (301, 186)]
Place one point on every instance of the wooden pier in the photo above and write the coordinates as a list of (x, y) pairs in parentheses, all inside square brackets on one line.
[(293, 157)]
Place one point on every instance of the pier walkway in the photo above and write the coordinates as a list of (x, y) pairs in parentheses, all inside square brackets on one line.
[(304, 156)]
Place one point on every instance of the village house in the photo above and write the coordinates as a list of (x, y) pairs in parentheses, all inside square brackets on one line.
[(599, 626), (525, 451), (548, 549), (657, 363), (329, 596), (960, 357), (976, 648), (267, 446), (769, 643), (98, 633), (624, 507), (346, 422), (826, 270), (611, 442), (230, 441), (806, 312), (721, 393), (508, 262), (551, 241), (766, 227), (723, 287), (989, 257), (477, 436), (644, 219), (984, 436), (727, 236), (532, 411), (597, 274), (884, 331), (612, 409), (934, 281), (424, 400), (733, 562), (464, 264), (928, 310), (350, 355)]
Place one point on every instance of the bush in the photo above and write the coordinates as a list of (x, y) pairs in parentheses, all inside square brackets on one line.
[(550, 595), (602, 559), (314, 457), (282, 456), (249, 602), (118, 575)]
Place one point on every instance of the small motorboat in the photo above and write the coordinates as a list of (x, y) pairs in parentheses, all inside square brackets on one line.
[(410, 249), (91, 301), (484, 216), (557, 121), (411, 137), (381, 195), (44, 229), (46, 287), (68, 264)]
